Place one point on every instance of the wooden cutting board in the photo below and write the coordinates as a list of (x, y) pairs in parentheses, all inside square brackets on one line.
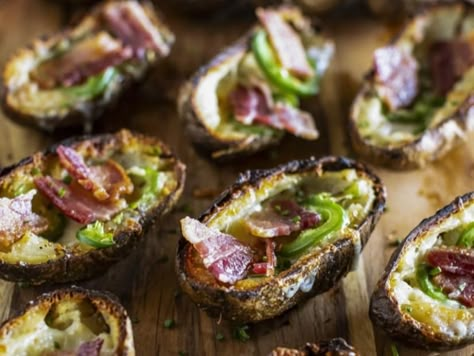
[(145, 282)]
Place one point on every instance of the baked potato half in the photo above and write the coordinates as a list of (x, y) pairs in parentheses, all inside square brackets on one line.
[(416, 103), (334, 347), (247, 97), (70, 78), (72, 211), (426, 295), (70, 321), (278, 237)]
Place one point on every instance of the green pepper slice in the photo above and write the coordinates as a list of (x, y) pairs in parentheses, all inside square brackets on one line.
[(423, 278), (150, 187), (467, 237), (93, 86), (287, 83), (94, 235), (334, 216)]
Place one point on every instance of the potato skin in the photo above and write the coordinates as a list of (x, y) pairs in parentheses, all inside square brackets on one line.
[(269, 299), (72, 267), (384, 311), (95, 107), (200, 136), (103, 301), (334, 347), (433, 144)]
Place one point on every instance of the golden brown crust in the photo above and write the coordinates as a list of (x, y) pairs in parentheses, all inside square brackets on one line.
[(278, 294), (71, 267)]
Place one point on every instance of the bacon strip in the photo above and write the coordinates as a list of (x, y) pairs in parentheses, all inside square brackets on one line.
[(251, 106), (85, 59), (105, 181), (280, 218), (222, 254), (128, 21), (17, 218), (449, 60), (286, 42), (458, 261), (90, 348), (460, 288), (396, 76), (76, 202), (267, 268)]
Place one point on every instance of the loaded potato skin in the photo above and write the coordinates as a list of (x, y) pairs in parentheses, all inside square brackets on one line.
[(415, 104), (84, 235), (334, 347), (247, 96), (70, 78), (69, 321), (421, 299), (301, 268)]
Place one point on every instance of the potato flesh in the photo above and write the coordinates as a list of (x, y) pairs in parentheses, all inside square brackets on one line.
[(439, 24), (31, 334), (450, 318)]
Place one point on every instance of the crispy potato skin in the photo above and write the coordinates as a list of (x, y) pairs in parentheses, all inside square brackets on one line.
[(412, 155), (202, 139), (334, 347), (384, 310), (103, 301), (269, 299), (72, 267), (95, 107)]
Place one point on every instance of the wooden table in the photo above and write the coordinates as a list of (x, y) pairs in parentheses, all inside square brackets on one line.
[(145, 282)]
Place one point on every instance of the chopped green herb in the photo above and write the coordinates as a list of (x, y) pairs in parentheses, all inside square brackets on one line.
[(435, 271), (277, 208), (219, 336), (169, 323), (285, 212), (240, 333), (35, 171), (61, 192), (182, 353), (407, 308), (67, 179), (394, 350), (296, 219)]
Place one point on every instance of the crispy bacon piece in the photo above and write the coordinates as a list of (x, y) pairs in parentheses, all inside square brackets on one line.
[(222, 254), (286, 42), (280, 218), (396, 76), (87, 58), (76, 202), (449, 60), (128, 21), (460, 288), (458, 261), (105, 181), (250, 105), (268, 267), (17, 217)]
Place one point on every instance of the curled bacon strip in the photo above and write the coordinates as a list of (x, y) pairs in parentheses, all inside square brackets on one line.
[(17, 218), (250, 105), (222, 254), (129, 22), (85, 59), (268, 267), (76, 202), (280, 218), (396, 76), (106, 181), (286, 42), (460, 288)]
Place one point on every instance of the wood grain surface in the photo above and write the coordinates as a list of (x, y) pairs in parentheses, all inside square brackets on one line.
[(145, 282)]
